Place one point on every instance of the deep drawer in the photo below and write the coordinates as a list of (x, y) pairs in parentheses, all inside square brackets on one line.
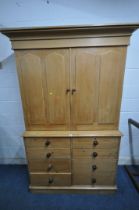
[(93, 166), (47, 142), (53, 165), (43, 179), (90, 179), (94, 153), (44, 153), (98, 142)]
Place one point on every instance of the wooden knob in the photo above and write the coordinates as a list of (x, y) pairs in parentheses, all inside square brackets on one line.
[(50, 180), (94, 167), (95, 143), (47, 143), (93, 180), (94, 154), (48, 155), (50, 166)]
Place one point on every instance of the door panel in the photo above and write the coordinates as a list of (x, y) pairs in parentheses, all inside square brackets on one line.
[(110, 86), (56, 79), (85, 78), (30, 73)]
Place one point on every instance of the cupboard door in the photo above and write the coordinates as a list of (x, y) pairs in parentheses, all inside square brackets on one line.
[(96, 81), (44, 78), (84, 83)]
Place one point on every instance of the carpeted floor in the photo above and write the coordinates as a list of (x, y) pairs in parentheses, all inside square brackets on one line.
[(14, 194)]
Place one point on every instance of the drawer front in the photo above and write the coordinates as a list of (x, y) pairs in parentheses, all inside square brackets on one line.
[(48, 142), (53, 165), (95, 153), (44, 153), (98, 142), (92, 179), (93, 166), (50, 179)]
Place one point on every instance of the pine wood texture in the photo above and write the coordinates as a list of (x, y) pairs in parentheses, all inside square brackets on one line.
[(71, 81), (107, 133)]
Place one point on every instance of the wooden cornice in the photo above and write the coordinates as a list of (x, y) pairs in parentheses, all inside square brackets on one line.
[(70, 31)]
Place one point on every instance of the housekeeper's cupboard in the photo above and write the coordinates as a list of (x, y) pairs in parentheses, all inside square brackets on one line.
[(71, 86)]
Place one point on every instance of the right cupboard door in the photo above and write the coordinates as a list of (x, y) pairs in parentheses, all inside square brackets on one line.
[(96, 83)]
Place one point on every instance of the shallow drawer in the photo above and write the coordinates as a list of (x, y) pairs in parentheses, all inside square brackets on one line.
[(47, 142), (94, 166), (94, 153), (53, 165), (44, 153), (90, 179), (98, 142), (43, 179)]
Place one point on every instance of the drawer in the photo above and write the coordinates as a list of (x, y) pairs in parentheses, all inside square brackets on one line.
[(94, 153), (44, 179), (53, 165), (98, 179), (98, 142), (94, 166), (47, 142), (46, 154)]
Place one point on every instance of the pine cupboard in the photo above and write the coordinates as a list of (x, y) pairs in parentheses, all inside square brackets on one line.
[(71, 82)]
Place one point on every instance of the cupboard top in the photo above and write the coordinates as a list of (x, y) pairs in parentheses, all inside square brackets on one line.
[(69, 31)]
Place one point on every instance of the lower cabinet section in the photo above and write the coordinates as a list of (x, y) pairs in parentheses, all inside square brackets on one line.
[(74, 162)]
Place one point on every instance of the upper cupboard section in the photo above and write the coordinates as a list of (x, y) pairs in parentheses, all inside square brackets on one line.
[(71, 89), (44, 79)]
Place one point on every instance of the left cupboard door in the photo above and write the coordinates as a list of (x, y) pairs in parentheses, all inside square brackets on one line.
[(44, 84)]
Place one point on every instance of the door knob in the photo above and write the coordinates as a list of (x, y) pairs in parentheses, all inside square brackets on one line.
[(73, 90), (67, 91), (47, 143), (50, 166), (48, 155), (50, 180), (93, 180), (95, 143), (94, 167), (94, 154)]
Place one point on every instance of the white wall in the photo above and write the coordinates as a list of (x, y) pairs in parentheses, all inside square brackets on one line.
[(19, 13)]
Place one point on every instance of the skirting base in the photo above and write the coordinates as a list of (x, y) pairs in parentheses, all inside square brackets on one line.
[(74, 189)]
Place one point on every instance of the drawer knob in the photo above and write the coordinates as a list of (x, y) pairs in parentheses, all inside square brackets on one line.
[(93, 180), (94, 167), (47, 143), (50, 180), (94, 154), (50, 166), (48, 155), (95, 143)]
